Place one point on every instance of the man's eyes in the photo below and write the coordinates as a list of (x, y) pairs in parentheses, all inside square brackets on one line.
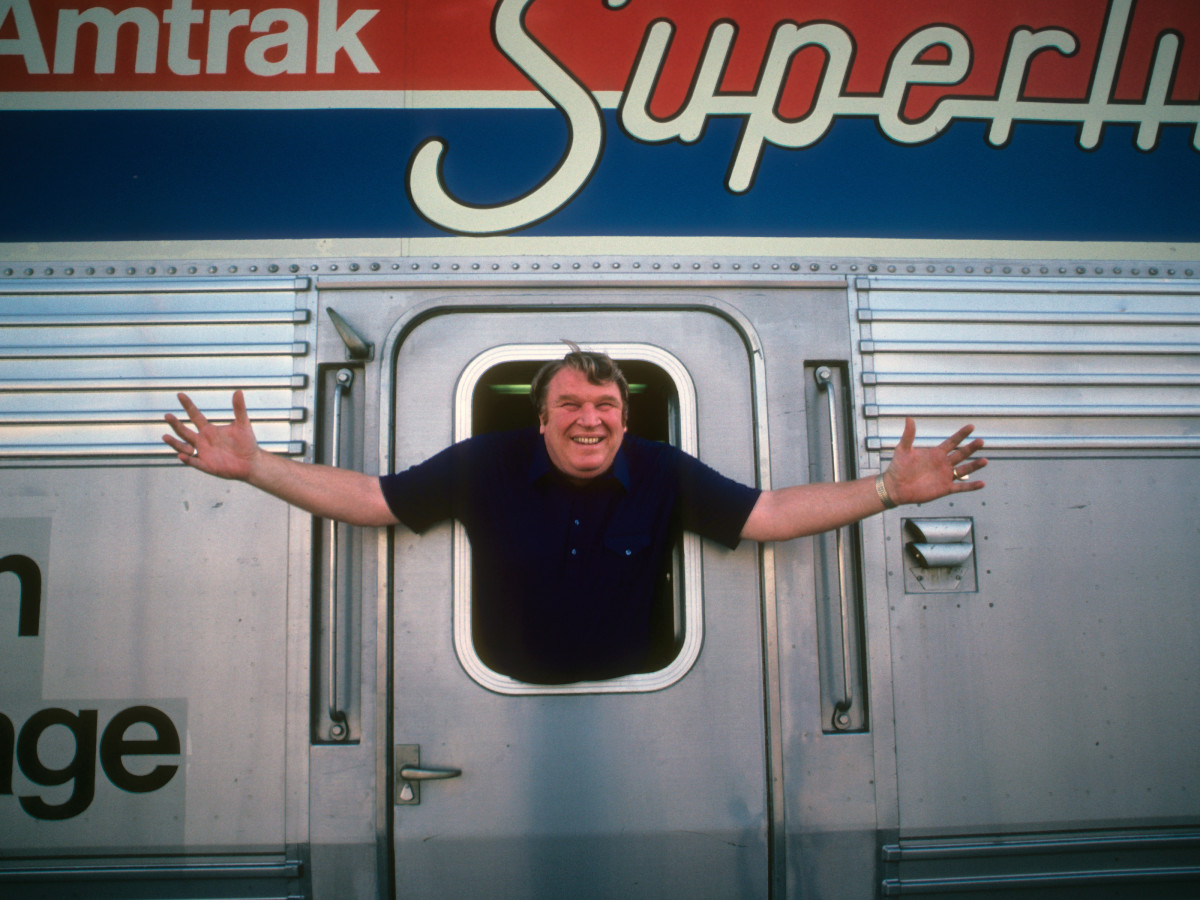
[(574, 405)]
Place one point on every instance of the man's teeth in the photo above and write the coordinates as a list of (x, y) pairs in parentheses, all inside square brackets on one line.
[(587, 440)]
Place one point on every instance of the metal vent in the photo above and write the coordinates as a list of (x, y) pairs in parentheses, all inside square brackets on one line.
[(1035, 366), (88, 369)]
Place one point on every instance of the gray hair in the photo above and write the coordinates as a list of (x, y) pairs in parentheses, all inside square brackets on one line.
[(598, 368)]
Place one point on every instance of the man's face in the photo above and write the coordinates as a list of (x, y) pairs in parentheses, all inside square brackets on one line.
[(583, 425)]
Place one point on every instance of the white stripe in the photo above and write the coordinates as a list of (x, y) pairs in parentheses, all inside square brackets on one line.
[(642, 246), (110, 100)]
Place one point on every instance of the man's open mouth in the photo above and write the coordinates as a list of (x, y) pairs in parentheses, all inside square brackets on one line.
[(587, 440)]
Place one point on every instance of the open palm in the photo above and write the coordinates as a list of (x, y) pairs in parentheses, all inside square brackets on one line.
[(921, 474), (226, 451)]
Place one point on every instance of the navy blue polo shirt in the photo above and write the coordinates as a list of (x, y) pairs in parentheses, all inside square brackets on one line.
[(569, 580)]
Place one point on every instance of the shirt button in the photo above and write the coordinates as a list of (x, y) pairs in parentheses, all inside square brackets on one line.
[(629, 553), (574, 551)]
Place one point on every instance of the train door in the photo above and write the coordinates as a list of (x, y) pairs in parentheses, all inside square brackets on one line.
[(650, 784)]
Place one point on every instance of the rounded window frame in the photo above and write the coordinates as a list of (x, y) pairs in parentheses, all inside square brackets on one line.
[(685, 436)]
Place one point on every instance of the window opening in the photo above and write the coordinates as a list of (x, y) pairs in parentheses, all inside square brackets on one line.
[(494, 396)]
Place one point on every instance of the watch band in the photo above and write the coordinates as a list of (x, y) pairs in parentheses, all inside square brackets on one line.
[(882, 492)]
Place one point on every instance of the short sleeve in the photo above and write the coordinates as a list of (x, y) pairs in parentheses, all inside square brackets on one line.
[(712, 505), (423, 495)]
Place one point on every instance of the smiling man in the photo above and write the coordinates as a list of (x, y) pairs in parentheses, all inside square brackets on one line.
[(572, 522), (582, 421)]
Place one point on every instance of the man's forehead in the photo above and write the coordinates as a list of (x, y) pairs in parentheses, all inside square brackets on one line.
[(571, 383)]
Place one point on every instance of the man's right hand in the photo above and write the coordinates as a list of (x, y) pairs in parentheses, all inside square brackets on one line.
[(232, 451), (227, 451)]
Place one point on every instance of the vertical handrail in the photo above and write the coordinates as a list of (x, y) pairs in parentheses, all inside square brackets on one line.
[(339, 730), (841, 708)]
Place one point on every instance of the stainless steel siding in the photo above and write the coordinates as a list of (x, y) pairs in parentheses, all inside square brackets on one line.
[(88, 369)]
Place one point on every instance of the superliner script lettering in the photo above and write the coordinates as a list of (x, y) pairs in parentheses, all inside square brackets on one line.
[(911, 65)]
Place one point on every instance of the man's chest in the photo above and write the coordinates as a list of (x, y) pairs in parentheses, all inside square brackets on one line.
[(577, 534)]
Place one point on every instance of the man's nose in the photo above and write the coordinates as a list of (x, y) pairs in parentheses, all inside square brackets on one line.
[(588, 415)]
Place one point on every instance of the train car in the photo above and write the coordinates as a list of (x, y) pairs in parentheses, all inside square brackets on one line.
[(794, 225)]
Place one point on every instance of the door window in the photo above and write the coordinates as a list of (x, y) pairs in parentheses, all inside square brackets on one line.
[(493, 395)]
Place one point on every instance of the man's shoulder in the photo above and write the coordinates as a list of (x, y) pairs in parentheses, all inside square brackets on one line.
[(637, 446), (661, 451), (652, 460), (479, 453), (493, 445), (453, 481)]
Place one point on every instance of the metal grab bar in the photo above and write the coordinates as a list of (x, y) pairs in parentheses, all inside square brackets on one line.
[(416, 773), (340, 729), (841, 708)]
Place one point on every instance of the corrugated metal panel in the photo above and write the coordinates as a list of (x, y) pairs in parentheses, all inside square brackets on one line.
[(1035, 366), (88, 369)]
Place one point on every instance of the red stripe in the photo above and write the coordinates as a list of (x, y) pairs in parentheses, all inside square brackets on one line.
[(447, 45)]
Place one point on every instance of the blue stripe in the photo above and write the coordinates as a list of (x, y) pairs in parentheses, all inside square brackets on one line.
[(174, 175)]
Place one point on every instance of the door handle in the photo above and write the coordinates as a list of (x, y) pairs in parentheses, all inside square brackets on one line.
[(410, 773), (417, 773), (340, 729), (842, 705)]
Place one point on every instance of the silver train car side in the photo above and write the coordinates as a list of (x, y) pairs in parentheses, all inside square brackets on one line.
[(204, 693)]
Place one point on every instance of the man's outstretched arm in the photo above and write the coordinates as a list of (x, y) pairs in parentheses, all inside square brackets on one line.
[(232, 451), (915, 475)]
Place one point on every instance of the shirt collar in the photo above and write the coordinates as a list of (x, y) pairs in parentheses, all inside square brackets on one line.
[(540, 465)]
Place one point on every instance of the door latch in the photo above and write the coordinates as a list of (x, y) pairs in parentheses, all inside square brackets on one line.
[(410, 773)]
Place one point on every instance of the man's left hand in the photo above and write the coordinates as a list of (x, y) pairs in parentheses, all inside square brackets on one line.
[(921, 474)]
